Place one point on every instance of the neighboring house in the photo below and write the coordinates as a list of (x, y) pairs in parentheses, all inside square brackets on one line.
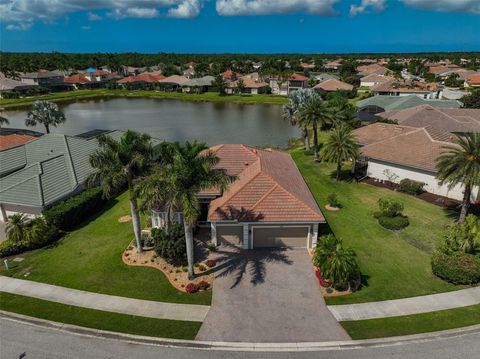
[(395, 152), (198, 85), (173, 82), (333, 85), (307, 66), (9, 85), (78, 81), (374, 79), (368, 108), (453, 93), (256, 65), (43, 78), (144, 77), (12, 137), (372, 69), (230, 75), (473, 81), (405, 88), (296, 82), (189, 73), (325, 77), (44, 171), (251, 86), (333, 65), (268, 205)]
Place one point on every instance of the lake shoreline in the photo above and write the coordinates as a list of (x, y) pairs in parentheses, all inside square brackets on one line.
[(14, 104)]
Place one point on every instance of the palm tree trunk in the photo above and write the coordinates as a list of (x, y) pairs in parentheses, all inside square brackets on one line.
[(47, 128), (189, 244), (136, 223), (315, 143), (465, 204), (339, 169), (306, 139)]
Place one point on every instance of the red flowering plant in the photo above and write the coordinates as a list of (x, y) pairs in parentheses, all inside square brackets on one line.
[(192, 288)]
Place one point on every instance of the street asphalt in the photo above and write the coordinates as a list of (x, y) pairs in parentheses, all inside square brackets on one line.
[(24, 341)]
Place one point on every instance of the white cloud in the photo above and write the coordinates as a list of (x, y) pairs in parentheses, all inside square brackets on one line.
[(134, 12), (471, 6), (21, 26), (186, 10), (367, 5), (94, 17), (275, 7)]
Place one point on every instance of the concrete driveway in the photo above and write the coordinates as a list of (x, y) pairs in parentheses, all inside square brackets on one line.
[(267, 296)]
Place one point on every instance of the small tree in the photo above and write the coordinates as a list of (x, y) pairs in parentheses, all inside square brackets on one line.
[(219, 84), (16, 227), (390, 207), (240, 86), (45, 113), (4, 121)]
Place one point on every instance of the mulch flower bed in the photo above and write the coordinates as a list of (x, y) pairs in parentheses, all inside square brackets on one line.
[(124, 219), (177, 276), (331, 208)]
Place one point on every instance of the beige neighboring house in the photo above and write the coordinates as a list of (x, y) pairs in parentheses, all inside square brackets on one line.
[(268, 205), (333, 65), (333, 85), (473, 81), (42, 78), (8, 85), (410, 149), (374, 79), (405, 88), (372, 69), (173, 82), (251, 86)]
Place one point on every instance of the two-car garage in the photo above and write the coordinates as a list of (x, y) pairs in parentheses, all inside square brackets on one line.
[(265, 236)]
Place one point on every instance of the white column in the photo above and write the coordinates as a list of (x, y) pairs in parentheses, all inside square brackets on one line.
[(213, 233), (3, 213), (314, 235), (245, 236)]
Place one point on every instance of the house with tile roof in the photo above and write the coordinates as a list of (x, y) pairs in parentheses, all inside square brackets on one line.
[(405, 88), (268, 205), (44, 171), (374, 79), (333, 85), (392, 152)]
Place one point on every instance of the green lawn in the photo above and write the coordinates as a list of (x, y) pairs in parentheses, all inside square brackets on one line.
[(413, 324), (98, 319), (393, 265), (89, 258), (208, 96)]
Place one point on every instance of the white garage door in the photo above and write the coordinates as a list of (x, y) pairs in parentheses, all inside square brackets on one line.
[(296, 237)]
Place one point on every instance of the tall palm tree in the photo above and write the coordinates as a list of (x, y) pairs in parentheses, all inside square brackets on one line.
[(460, 165), (316, 114), (16, 227), (340, 146), (296, 100), (195, 169), (45, 113), (120, 163), (4, 121)]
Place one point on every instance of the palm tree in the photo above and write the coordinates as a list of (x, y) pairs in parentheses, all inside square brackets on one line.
[(45, 113), (296, 100), (120, 163), (460, 165), (340, 146), (4, 121), (315, 113), (337, 263), (195, 169), (16, 227)]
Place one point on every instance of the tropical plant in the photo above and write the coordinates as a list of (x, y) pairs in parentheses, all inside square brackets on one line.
[(338, 264), (45, 113), (315, 113), (219, 84), (390, 207), (4, 121), (459, 164), (170, 245), (463, 237), (240, 86), (122, 163), (16, 227), (296, 100), (340, 146)]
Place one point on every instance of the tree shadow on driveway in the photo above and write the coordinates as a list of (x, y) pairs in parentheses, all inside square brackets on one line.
[(232, 260)]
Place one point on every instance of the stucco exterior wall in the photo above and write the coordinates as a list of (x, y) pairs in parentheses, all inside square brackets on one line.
[(395, 173)]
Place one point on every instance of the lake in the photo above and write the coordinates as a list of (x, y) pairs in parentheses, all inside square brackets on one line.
[(174, 120)]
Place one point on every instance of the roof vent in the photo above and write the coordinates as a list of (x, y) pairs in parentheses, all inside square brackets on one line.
[(245, 163)]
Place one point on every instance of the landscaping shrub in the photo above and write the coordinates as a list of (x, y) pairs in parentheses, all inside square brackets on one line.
[(333, 200), (71, 212), (203, 285), (411, 187), (192, 288), (171, 245), (456, 268), (36, 235), (390, 207), (462, 237), (393, 223)]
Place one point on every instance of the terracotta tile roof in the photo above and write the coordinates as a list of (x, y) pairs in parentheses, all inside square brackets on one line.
[(376, 78), (333, 85), (378, 132), (474, 79), (268, 188), (248, 83), (76, 79), (230, 75), (15, 139), (175, 79), (149, 77), (373, 69), (404, 87), (298, 77)]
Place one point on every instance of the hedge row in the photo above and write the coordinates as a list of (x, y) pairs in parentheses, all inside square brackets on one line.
[(71, 212), (393, 223), (411, 187), (457, 268)]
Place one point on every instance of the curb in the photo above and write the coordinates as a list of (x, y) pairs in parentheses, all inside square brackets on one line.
[(238, 346)]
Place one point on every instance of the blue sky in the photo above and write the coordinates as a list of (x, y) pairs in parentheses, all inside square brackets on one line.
[(255, 26)]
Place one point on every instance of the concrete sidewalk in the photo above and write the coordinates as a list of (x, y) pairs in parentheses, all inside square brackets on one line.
[(407, 306), (109, 303)]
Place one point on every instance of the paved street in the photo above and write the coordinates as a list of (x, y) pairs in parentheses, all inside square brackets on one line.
[(29, 342), (268, 296)]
